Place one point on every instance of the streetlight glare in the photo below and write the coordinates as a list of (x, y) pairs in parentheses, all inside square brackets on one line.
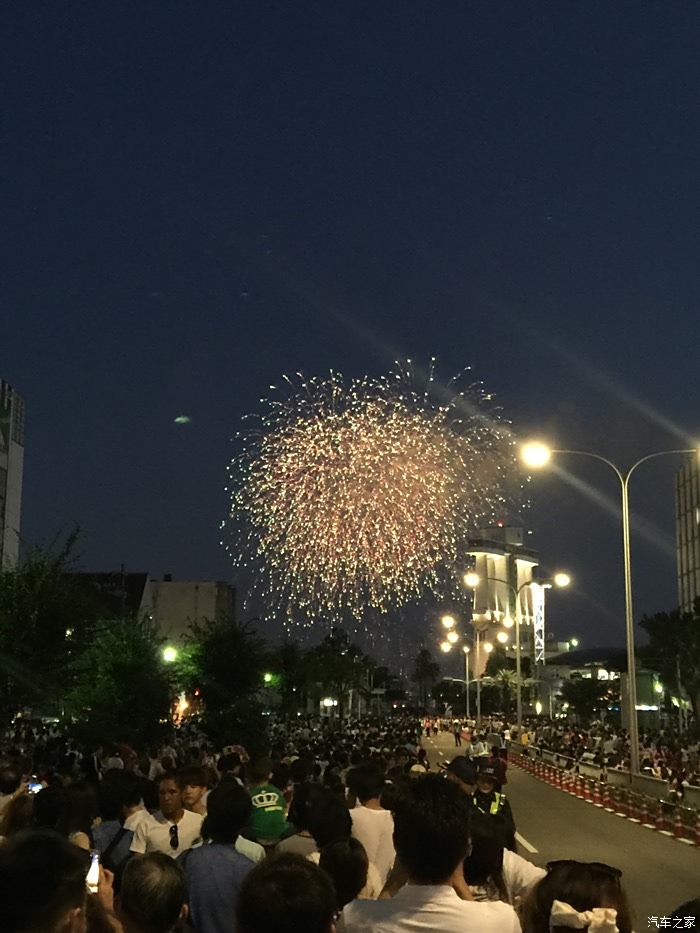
[(562, 579), (535, 454), (471, 579), (488, 647), (574, 642), (452, 637), (508, 622), (445, 646), (448, 621), (169, 654), (267, 678), (502, 637), (465, 649)]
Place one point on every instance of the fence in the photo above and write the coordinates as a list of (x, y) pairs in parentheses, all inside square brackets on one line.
[(638, 798)]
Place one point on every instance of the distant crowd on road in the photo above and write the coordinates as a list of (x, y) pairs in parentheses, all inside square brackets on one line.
[(335, 828)]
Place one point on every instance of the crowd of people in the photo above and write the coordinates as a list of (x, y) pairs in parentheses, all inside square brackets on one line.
[(346, 829)]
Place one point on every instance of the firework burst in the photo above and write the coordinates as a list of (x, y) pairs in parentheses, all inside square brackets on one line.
[(363, 495)]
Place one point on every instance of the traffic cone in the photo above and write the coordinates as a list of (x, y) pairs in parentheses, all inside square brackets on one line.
[(622, 808), (579, 787), (660, 822), (678, 828), (596, 795), (643, 812), (586, 791), (697, 830), (607, 803)]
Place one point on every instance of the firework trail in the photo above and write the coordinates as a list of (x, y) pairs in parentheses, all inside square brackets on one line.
[(362, 495)]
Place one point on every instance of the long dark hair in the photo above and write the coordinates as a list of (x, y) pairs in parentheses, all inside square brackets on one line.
[(484, 863)]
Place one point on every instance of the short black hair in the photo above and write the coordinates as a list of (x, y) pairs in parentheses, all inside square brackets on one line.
[(48, 806), (329, 819), (366, 781), (171, 775), (304, 799), (27, 903), (152, 892), (228, 810), (10, 779), (286, 894), (194, 775), (431, 828), (346, 864)]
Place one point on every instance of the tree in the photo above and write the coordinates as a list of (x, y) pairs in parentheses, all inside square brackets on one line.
[(507, 683), (120, 687), (585, 696), (291, 666), (674, 646), (425, 673), (231, 662), (46, 617), (338, 666)]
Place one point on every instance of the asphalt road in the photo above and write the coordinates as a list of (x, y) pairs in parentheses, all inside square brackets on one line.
[(659, 873)]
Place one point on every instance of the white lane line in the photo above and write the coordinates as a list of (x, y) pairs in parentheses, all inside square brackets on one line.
[(523, 842)]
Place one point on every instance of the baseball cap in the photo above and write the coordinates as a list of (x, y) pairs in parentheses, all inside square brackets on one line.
[(488, 771), (463, 769)]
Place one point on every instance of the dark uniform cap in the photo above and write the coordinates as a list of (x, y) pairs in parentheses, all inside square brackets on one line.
[(462, 769), (489, 771)]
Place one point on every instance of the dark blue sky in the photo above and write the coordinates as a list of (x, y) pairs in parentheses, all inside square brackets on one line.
[(199, 197)]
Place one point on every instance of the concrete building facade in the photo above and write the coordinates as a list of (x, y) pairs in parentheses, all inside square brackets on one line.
[(175, 604), (688, 533), (12, 416)]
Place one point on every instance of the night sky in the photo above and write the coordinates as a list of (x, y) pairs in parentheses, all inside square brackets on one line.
[(200, 197)]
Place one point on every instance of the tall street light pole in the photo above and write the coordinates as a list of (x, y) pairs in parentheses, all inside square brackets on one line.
[(465, 649), (537, 455)]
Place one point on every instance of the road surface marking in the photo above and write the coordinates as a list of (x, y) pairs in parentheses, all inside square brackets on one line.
[(523, 842)]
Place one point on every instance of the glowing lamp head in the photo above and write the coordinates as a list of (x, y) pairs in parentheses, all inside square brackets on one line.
[(562, 579), (471, 579), (488, 647), (465, 649), (448, 621), (574, 642), (538, 707), (452, 637), (169, 654), (502, 637), (535, 454), (508, 622), (267, 678), (445, 646)]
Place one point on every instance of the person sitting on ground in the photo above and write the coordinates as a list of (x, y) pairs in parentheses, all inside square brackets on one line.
[(42, 884), (305, 797), (286, 894), (215, 871), (573, 895), (171, 829), (152, 895), (371, 823), (347, 865), (431, 836), (194, 789), (493, 872), (488, 799), (268, 823)]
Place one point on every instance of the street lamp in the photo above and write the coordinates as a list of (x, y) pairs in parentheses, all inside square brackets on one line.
[(471, 579), (448, 621), (465, 649), (445, 646), (488, 647), (536, 455), (502, 637), (573, 642), (169, 654), (452, 637), (562, 579)]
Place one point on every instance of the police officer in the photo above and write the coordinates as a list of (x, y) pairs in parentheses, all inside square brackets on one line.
[(489, 798)]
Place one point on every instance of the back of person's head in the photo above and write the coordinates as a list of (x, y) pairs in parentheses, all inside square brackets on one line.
[(42, 883), (228, 809), (304, 799), (431, 828), (583, 886), (10, 779), (80, 809), (346, 864), (488, 839), (329, 819), (152, 894), (366, 781), (110, 796), (392, 789), (48, 806), (300, 770), (228, 763), (260, 770), (286, 894)]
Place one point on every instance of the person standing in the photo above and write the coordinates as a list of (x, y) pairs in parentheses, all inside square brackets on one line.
[(457, 730), (371, 823), (171, 829)]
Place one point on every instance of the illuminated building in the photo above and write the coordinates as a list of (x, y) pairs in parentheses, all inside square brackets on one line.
[(688, 533), (11, 472)]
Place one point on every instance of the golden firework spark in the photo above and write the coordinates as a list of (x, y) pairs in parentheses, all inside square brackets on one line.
[(358, 496)]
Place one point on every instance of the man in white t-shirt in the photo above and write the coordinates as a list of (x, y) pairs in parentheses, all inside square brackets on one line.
[(172, 829), (371, 823), (431, 836)]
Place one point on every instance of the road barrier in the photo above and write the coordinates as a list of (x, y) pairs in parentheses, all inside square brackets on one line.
[(638, 798)]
